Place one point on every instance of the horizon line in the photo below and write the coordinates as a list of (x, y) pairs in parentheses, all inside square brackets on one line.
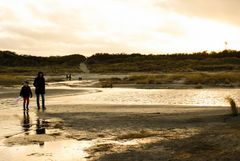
[(119, 53)]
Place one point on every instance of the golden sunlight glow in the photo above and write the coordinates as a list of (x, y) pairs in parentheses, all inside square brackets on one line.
[(60, 27)]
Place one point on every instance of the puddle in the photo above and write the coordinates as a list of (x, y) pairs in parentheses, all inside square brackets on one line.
[(64, 150), (32, 138)]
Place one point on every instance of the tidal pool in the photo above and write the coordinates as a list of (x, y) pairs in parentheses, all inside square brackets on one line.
[(127, 96)]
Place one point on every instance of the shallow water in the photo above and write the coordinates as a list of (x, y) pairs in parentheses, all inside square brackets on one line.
[(63, 150), (15, 123), (126, 96)]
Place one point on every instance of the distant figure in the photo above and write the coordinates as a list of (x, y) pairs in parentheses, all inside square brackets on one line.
[(80, 78), (68, 76), (25, 93), (39, 84)]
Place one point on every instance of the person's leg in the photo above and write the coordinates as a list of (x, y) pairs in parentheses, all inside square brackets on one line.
[(27, 103), (24, 102), (38, 104), (43, 100)]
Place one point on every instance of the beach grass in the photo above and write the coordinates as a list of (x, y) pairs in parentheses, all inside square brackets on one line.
[(10, 79), (229, 79), (234, 108)]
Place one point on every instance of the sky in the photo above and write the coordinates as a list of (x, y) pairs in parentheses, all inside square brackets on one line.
[(62, 27)]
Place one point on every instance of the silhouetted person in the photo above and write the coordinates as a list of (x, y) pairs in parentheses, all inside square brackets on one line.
[(26, 122), (68, 76), (25, 93), (39, 84)]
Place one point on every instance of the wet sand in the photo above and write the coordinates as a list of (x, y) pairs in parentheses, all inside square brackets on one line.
[(118, 132)]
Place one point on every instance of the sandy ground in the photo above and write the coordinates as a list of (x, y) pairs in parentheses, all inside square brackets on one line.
[(125, 132), (180, 134)]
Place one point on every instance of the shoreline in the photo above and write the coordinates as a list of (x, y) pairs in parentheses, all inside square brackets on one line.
[(110, 131), (104, 132), (142, 80)]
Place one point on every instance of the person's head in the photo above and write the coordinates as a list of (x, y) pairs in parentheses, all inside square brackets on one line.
[(40, 74), (25, 83)]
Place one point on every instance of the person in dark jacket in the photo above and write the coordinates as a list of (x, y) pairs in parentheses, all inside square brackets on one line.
[(25, 93), (39, 84)]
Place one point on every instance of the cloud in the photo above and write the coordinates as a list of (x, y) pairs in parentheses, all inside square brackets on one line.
[(219, 10), (75, 26), (59, 27)]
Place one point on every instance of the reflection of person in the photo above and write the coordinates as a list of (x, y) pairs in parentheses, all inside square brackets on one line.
[(25, 93), (26, 122), (40, 128), (39, 84)]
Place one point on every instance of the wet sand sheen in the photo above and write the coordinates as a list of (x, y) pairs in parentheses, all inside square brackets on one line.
[(104, 131), (130, 96)]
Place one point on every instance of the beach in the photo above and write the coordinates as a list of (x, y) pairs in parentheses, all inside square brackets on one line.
[(85, 124), (119, 80)]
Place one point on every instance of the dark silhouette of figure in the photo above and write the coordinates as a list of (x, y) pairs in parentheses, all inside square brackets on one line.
[(68, 76), (39, 84), (25, 93), (26, 123), (40, 127)]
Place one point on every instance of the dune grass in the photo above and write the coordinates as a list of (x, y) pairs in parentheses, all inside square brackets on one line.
[(18, 79), (234, 108), (229, 79), (12, 79)]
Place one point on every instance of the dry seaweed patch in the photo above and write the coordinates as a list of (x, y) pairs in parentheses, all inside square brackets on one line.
[(137, 135), (102, 147), (174, 133)]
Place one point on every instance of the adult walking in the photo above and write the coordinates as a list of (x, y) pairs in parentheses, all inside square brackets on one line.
[(39, 84)]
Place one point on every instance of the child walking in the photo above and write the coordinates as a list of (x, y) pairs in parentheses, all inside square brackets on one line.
[(26, 92)]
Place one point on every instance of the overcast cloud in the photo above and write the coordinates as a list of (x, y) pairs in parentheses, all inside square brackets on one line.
[(60, 27)]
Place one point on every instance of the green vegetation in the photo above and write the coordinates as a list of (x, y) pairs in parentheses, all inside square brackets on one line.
[(227, 60), (6, 79), (10, 62), (229, 79), (201, 68)]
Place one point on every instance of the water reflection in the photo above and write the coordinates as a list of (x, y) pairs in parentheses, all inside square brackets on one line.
[(125, 96), (40, 127), (26, 122), (62, 150)]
